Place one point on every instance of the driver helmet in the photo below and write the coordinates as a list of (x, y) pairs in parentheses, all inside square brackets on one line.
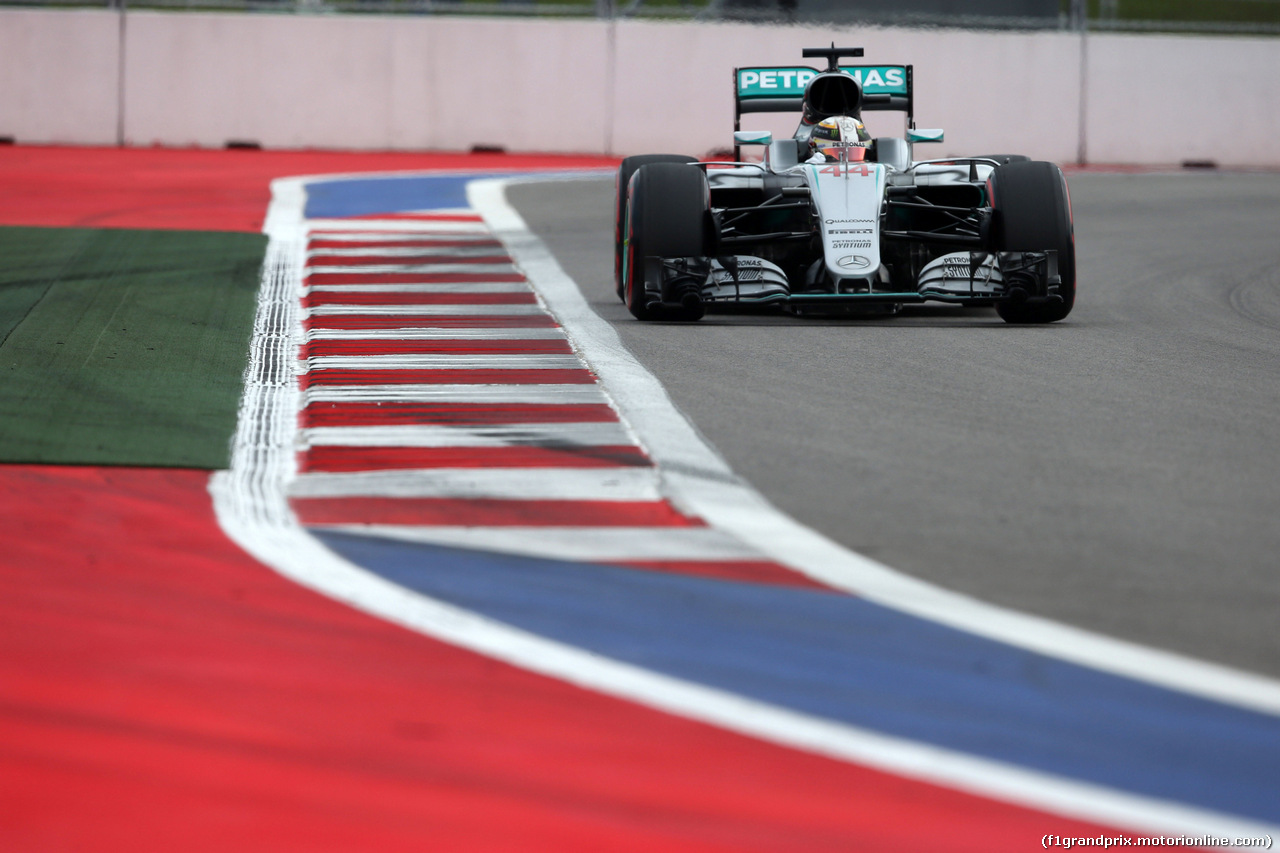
[(832, 134)]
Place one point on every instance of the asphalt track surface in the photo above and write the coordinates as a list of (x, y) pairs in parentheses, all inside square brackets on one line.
[(1118, 471)]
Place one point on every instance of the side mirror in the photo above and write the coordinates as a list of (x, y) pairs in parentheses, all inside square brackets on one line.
[(752, 137), (923, 134)]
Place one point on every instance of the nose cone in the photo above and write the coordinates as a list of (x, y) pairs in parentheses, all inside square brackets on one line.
[(848, 197)]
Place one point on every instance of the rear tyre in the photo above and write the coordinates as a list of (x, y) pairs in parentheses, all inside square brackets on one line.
[(1033, 214), (667, 215), (623, 178)]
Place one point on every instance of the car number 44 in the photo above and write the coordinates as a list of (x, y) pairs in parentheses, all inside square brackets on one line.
[(849, 169)]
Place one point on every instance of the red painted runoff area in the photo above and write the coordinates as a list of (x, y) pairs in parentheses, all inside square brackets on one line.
[(197, 189), (160, 691)]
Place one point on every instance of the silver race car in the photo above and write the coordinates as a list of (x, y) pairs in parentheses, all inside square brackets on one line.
[(833, 221)]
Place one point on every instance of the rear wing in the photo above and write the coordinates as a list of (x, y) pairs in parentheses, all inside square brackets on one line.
[(780, 89)]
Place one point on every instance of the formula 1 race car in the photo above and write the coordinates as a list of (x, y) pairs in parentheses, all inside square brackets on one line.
[(861, 227)]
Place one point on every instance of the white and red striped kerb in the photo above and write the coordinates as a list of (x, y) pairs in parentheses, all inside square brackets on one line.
[(442, 403)]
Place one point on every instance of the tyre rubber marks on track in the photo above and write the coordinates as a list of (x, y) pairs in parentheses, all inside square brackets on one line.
[(442, 403)]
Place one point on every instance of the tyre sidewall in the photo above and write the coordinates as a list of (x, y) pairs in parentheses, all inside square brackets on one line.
[(666, 216), (1033, 214), (621, 185)]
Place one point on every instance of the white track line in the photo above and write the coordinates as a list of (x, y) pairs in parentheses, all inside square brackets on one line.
[(585, 484), (251, 504)]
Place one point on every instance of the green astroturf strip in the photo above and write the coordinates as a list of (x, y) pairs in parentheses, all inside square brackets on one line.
[(123, 347)]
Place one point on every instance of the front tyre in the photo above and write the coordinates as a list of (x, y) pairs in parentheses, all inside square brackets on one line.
[(667, 216), (1033, 214), (626, 169)]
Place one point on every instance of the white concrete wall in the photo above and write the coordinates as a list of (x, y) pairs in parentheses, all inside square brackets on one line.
[(59, 76), (371, 82), (977, 87), (365, 82), (1168, 99)]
